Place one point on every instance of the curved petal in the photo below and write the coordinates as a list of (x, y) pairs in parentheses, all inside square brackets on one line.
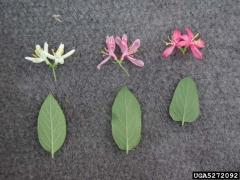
[(38, 50), (185, 37), (189, 32), (167, 52), (46, 47), (199, 43), (137, 62), (103, 62), (60, 50), (125, 38), (118, 41), (34, 60), (110, 41), (196, 53), (176, 35), (49, 55), (122, 45), (68, 54), (134, 47), (182, 44)]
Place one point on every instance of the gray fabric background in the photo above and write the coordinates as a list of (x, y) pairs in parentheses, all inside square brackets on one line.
[(167, 151)]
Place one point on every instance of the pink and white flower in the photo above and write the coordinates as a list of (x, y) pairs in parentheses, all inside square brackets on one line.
[(195, 43), (127, 52), (109, 52), (176, 37), (183, 42)]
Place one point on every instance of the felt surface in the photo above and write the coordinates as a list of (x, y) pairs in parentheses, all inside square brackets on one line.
[(167, 151)]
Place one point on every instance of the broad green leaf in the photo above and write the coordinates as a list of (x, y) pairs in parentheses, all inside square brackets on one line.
[(185, 104), (126, 120), (51, 125)]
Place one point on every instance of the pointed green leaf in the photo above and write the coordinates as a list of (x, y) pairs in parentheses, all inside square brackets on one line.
[(51, 125), (126, 120), (185, 104)]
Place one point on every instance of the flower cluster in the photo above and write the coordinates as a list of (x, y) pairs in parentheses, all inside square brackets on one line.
[(183, 42), (42, 55), (127, 51)]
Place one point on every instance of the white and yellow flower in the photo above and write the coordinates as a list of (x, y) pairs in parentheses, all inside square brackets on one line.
[(59, 55), (40, 54)]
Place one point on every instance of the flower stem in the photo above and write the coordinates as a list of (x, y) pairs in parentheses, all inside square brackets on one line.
[(123, 68), (54, 74), (53, 67)]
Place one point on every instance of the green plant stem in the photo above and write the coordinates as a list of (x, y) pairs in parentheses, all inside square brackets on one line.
[(123, 68), (54, 73)]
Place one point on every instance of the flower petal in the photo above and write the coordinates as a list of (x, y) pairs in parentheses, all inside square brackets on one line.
[(134, 47), (168, 51), (176, 35), (46, 47), (196, 53), (49, 55), (60, 50), (35, 60), (103, 62), (122, 45), (110, 41), (68, 54), (38, 50), (118, 41), (137, 62), (199, 43), (189, 32), (183, 44), (125, 38)]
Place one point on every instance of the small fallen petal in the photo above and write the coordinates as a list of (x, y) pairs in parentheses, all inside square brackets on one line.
[(57, 17)]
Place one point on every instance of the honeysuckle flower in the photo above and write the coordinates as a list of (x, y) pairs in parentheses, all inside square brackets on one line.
[(109, 51), (40, 54), (127, 52), (58, 56), (194, 42), (176, 37)]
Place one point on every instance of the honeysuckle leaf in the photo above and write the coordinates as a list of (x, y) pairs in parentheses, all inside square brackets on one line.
[(126, 120), (185, 103), (51, 126)]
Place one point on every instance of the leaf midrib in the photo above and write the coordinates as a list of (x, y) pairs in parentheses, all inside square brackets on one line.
[(50, 117), (184, 109), (125, 105)]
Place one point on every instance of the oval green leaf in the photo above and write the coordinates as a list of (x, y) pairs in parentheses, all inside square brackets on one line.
[(126, 120), (51, 125), (185, 103)]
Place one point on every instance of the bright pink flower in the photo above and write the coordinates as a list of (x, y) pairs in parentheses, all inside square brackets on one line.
[(189, 40), (109, 52), (127, 52), (176, 37)]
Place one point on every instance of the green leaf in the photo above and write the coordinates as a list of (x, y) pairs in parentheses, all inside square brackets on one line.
[(185, 104), (51, 125), (126, 120)]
